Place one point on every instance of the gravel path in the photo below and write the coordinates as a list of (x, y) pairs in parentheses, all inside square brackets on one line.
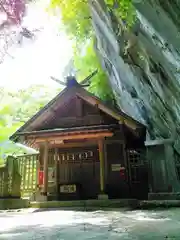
[(101, 225)]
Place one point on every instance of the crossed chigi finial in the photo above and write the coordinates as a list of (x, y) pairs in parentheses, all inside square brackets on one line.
[(71, 80)]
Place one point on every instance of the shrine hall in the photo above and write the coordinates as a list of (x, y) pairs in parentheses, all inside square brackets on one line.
[(87, 149)]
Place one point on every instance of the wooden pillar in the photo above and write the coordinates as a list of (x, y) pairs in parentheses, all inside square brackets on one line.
[(102, 161), (105, 164), (45, 169), (56, 169)]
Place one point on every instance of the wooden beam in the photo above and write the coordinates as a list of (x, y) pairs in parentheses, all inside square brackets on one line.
[(79, 107), (52, 139), (45, 168), (102, 161), (105, 162), (56, 169), (115, 141), (72, 145), (130, 124), (97, 102), (122, 117), (41, 155), (46, 112), (67, 145)]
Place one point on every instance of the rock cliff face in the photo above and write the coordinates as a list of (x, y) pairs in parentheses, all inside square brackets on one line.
[(143, 64)]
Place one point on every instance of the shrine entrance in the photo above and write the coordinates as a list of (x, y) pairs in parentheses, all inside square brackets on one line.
[(78, 167)]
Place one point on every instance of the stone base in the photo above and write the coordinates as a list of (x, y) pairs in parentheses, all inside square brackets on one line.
[(38, 197), (103, 196), (87, 205), (6, 204), (159, 204), (164, 196)]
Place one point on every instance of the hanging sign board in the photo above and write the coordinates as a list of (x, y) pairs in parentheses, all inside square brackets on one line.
[(51, 175), (68, 188), (115, 167)]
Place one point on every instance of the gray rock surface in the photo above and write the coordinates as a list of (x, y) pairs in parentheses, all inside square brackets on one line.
[(143, 64)]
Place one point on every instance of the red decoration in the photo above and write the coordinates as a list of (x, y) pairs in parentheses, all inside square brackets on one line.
[(122, 173), (40, 177)]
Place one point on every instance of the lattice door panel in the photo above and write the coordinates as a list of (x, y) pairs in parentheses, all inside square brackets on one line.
[(136, 162), (28, 165)]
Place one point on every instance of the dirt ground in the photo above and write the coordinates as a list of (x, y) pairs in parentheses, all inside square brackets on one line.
[(72, 225)]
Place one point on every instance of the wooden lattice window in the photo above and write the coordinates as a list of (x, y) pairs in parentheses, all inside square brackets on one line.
[(136, 162)]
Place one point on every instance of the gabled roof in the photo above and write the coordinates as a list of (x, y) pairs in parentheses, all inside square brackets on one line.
[(66, 95)]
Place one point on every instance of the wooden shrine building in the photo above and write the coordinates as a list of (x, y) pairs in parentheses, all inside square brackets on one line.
[(86, 148)]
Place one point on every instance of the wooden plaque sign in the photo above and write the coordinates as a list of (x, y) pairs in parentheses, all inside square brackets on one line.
[(115, 167), (51, 174), (76, 156), (68, 188)]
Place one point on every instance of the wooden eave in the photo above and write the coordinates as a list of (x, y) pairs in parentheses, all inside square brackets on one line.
[(72, 130), (67, 133), (71, 136), (58, 137), (46, 108), (122, 117), (66, 95)]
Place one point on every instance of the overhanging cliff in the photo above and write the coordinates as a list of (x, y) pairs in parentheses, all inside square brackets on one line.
[(143, 64)]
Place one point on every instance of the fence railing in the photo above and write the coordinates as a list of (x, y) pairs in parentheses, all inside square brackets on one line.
[(18, 177), (28, 169), (10, 179)]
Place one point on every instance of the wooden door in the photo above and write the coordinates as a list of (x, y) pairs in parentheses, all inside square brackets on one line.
[(138, 173), (80, 166), (116, 184)]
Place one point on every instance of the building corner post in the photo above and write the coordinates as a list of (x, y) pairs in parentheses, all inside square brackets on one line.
[(45, 168), (101, 147)]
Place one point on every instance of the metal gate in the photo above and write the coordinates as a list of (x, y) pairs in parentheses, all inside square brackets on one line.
[(138, 173)]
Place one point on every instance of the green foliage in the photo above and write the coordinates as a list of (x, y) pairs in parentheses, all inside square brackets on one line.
[(77, 22), (87, 63), (123, 9), (75, 16), (16, 108), (6, 131)]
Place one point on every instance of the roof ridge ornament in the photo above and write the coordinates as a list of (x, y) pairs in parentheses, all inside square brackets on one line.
[(71, 80)]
